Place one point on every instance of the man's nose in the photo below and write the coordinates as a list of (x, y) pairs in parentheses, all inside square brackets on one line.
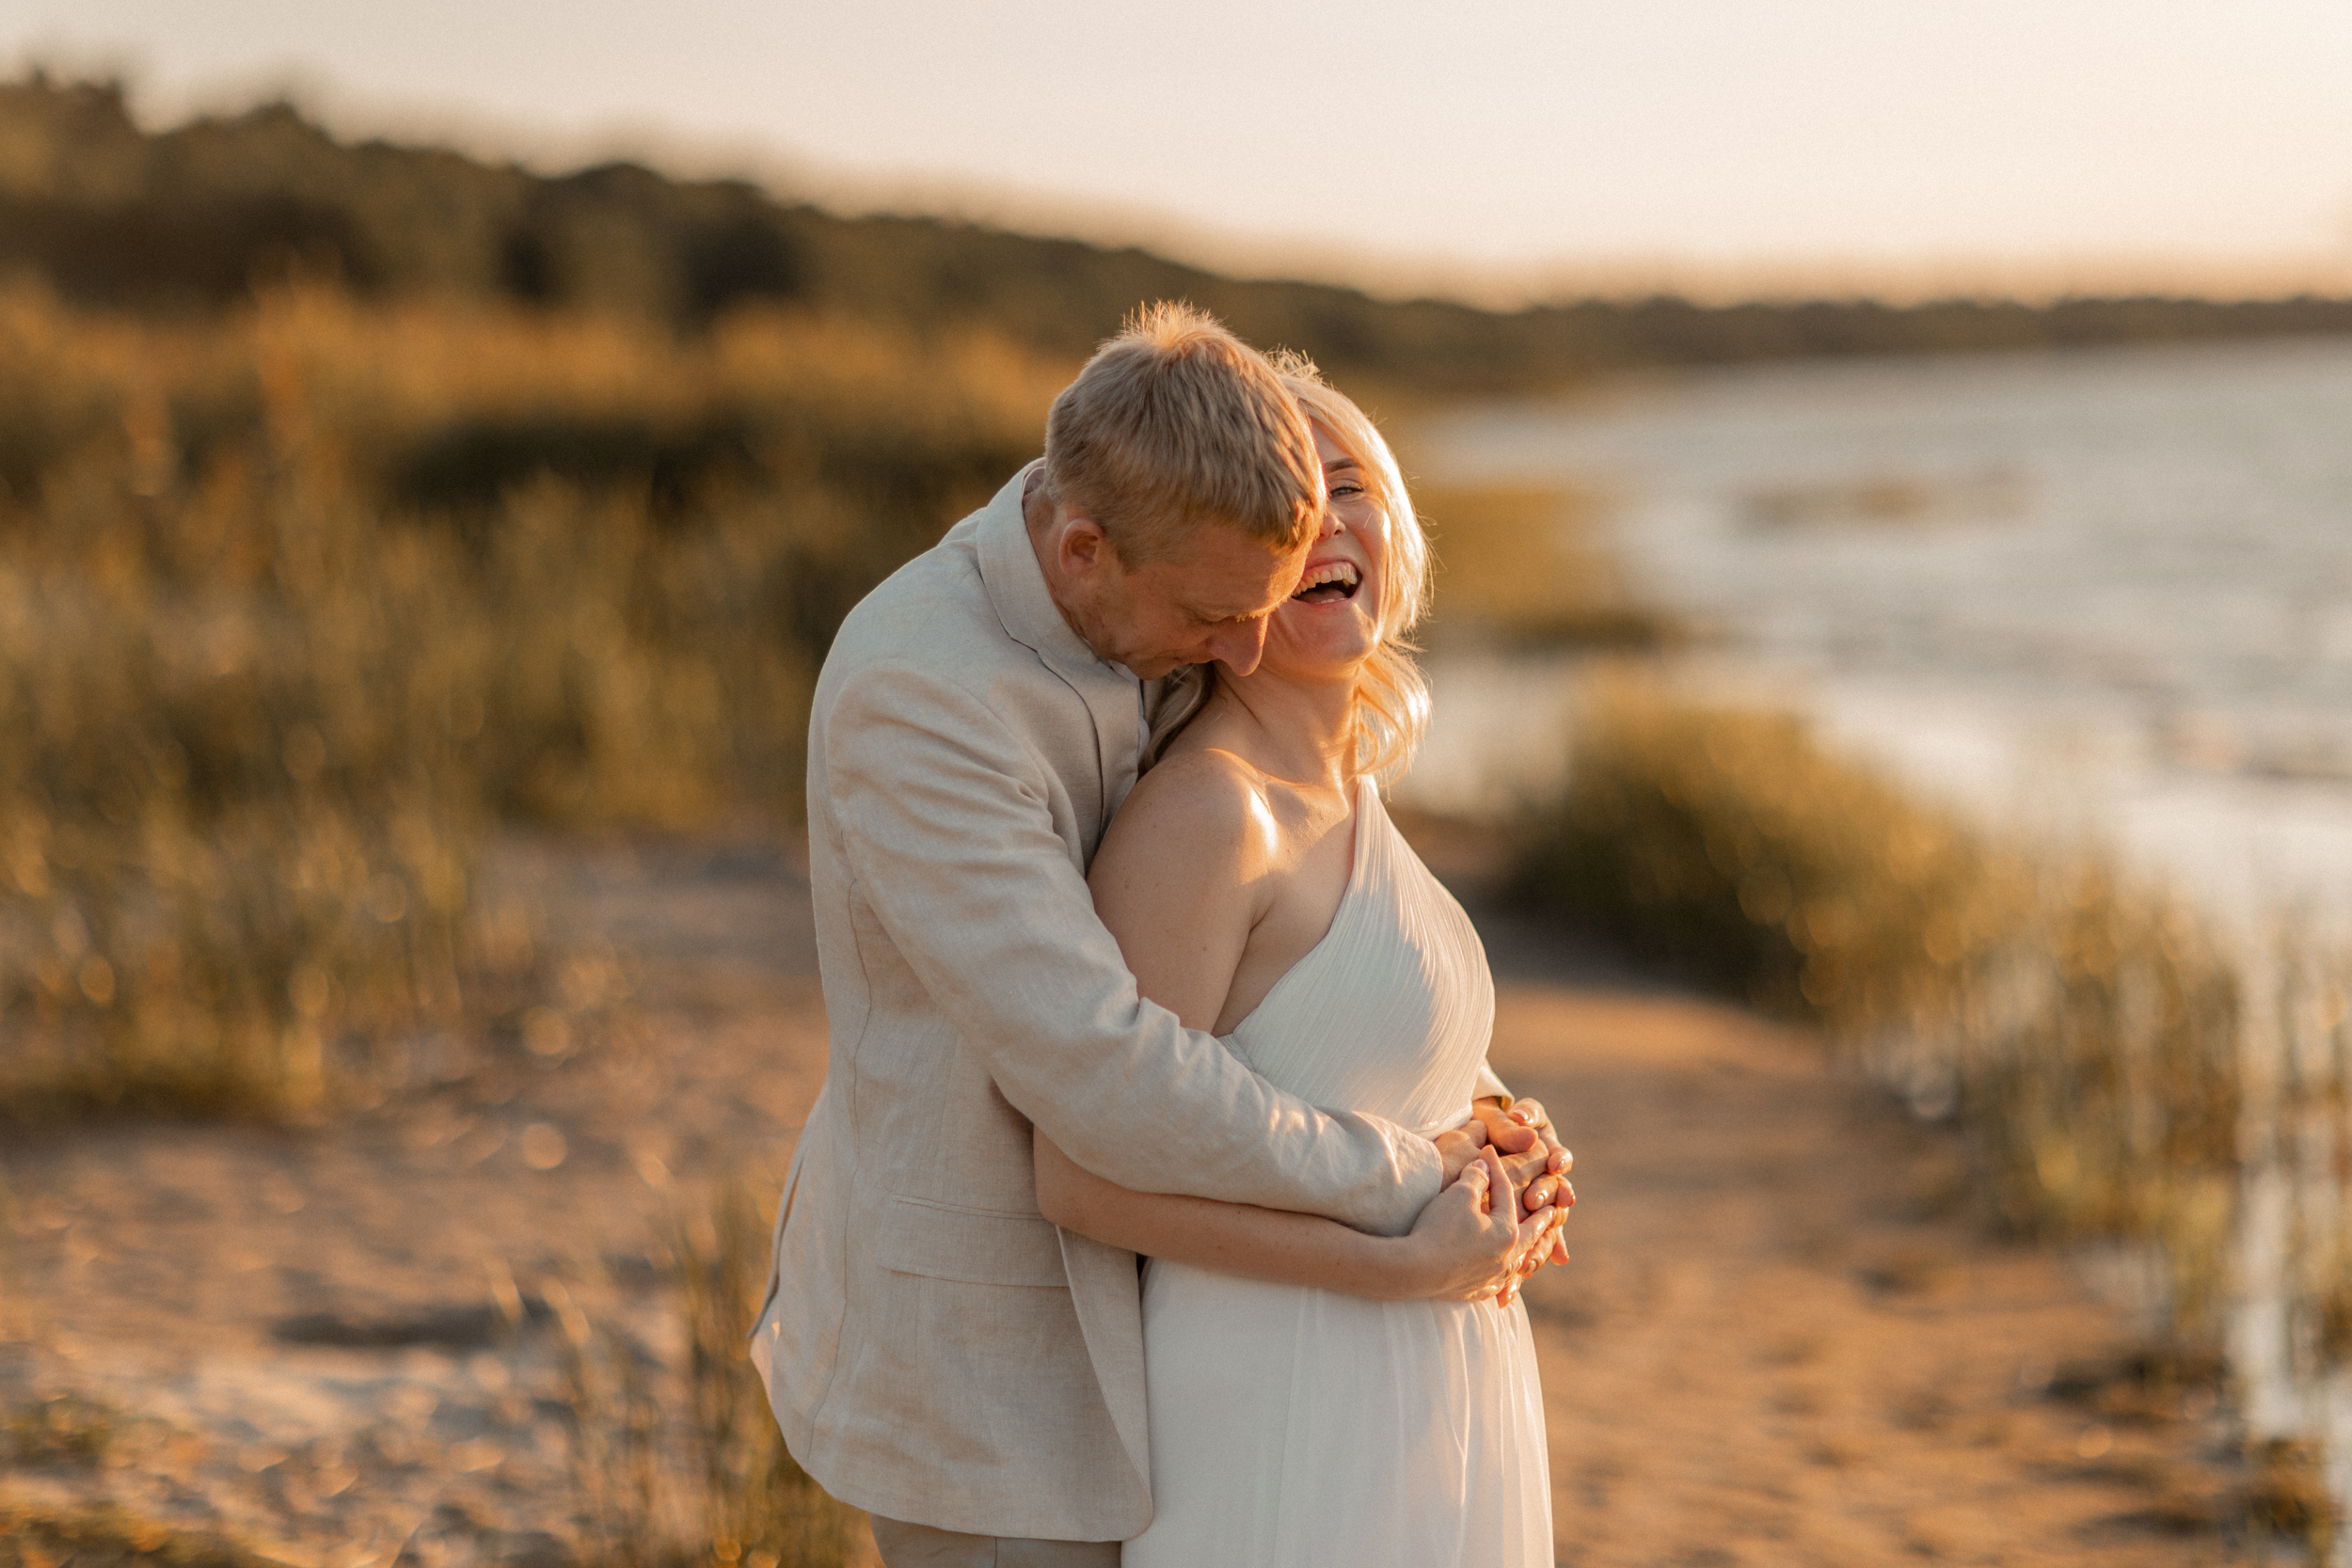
[(1239, 646)]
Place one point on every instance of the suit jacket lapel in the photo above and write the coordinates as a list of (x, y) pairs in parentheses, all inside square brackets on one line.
[(1016, 589)]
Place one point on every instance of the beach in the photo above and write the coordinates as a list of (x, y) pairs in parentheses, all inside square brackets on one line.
[(1787, 1333)]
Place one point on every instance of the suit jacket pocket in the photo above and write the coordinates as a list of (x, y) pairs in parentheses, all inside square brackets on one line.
[(978, 1246)]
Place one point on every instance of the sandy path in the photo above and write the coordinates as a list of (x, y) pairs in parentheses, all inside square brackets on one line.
[(1783, 1341)]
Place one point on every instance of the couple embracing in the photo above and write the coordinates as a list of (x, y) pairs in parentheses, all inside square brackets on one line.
[(1159, 1208)]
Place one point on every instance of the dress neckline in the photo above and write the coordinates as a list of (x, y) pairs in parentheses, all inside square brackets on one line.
[(1361, 812)]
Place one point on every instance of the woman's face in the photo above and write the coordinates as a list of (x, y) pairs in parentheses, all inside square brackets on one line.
[(1331, 621)]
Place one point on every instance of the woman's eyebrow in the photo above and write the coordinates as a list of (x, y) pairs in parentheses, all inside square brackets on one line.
[(1338, 463)]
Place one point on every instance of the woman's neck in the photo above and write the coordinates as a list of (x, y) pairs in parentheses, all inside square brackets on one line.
[(1304, 734)]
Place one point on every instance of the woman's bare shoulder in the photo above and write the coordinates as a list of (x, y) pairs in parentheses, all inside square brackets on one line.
[(1203, 801)]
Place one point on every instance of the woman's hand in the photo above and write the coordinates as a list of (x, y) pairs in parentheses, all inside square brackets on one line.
[(1466, 1242), (1520, 1129)]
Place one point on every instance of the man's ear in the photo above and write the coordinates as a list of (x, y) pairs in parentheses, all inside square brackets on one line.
[(1081, 544)]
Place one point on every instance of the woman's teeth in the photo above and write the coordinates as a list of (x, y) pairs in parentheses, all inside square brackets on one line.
[(1334, 579)]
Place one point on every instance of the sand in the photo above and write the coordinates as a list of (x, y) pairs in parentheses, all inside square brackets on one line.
[(1789, 1335)]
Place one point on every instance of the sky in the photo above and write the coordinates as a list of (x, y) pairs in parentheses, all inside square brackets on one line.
[(1501, 148)]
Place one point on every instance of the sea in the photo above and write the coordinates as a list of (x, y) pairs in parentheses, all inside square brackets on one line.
[(2105, 590), (2096, 594)]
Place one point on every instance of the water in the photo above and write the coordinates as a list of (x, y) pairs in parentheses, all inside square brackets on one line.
[(2103, 593), (2110, 586)]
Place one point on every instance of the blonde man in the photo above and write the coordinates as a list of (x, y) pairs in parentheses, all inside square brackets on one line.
[(936, 1351)]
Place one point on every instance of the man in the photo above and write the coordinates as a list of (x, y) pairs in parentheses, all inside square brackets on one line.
[(936, 1351)]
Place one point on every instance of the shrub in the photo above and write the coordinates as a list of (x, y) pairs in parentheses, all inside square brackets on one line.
[(2084, 1027)]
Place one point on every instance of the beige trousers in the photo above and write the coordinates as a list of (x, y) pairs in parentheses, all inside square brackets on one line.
[(905, 1545)]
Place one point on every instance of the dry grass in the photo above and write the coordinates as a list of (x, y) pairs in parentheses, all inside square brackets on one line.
[(2299, 1083), (2288, 1499), (671, 1471), (293, 606), (761, 1508), (1522, 564), (2084, 1028), (64, 1429), (32, 1537)]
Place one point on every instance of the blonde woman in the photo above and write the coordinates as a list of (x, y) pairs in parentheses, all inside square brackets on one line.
[(1316, 1395)]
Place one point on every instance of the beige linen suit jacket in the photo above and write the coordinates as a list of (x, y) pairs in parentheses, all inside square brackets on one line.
[(935, 1350)]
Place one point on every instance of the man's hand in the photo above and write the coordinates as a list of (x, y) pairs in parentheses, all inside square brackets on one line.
[(1459, 1148), (1543, 1245), (1469, 1241)]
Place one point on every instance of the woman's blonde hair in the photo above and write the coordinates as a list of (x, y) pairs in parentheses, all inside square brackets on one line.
[(1392, 693)]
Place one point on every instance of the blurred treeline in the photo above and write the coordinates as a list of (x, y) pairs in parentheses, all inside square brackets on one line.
[(184, 220)]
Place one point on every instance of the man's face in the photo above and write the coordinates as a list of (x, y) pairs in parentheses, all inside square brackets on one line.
[(1208, 600)]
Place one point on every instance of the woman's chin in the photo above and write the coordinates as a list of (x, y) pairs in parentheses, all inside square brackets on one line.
[(1324, 647)]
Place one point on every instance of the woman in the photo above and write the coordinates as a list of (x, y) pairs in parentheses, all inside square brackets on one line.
[(1316, 1395)]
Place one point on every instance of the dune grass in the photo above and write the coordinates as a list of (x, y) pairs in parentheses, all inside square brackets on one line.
[(669, 1472), (2126, 1070), (38, 1537), (761, 1508), (296, 605), (2299, 1145), (2084, 1027)]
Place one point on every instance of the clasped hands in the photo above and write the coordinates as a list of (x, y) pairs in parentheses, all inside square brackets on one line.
[(1506, 1196)]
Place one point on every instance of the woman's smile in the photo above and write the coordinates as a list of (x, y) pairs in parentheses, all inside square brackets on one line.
[(1332, 618), (1328, 582)]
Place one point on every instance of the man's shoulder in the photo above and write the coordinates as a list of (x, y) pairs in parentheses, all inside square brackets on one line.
[(933, 614)]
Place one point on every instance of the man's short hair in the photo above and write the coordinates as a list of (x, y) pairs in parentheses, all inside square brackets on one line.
[(1175, 423)]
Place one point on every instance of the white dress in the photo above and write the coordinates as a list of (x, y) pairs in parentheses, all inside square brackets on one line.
[(1291, 1426)]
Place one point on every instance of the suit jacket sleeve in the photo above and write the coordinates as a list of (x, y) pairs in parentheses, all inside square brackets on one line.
[(945, 825)]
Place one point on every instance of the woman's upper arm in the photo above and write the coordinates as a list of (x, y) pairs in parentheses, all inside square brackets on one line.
[(1179, 880)]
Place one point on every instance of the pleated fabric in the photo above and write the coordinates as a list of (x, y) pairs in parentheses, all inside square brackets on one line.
[(1297, 1427)]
